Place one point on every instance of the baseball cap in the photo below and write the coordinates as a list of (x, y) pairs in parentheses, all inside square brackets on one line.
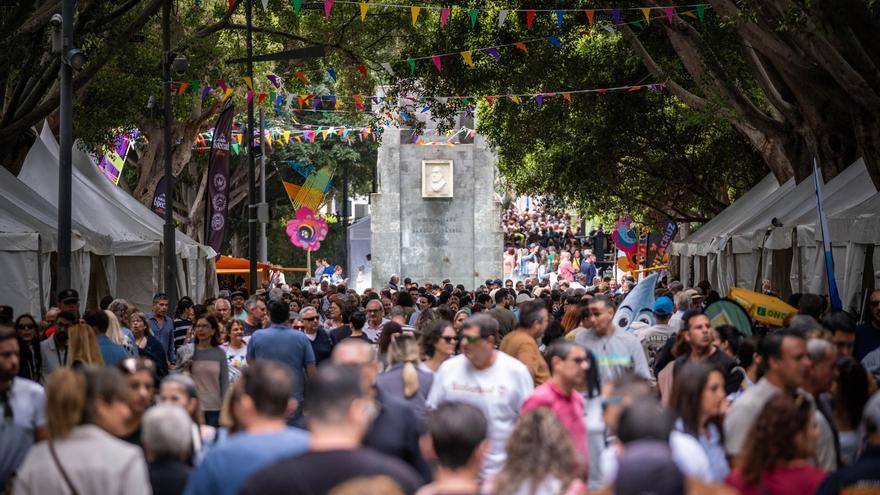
[(693, 294), (68, 296), (663, 306), (523, 298), (236, 294), (497, 281), (488, 282)]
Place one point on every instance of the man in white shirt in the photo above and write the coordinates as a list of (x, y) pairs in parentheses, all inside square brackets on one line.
[(375, 320), (488, 379)]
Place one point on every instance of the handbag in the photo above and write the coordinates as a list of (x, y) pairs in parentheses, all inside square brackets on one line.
[(61, 468)]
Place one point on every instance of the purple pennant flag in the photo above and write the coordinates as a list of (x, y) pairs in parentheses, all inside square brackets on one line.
[(616, 14), (539, 99), (273, 79), (494, 53), (205, 91), (315, 102)]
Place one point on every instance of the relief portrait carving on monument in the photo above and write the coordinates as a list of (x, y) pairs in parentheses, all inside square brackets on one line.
[(437, 179)]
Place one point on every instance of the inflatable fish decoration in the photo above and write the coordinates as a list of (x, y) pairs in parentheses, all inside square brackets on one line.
[(637, 308)]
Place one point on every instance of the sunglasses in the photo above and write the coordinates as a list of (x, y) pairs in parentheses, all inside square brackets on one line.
[(299, 327), (471, 339), (25, 326), (448, 340), (312, 318)]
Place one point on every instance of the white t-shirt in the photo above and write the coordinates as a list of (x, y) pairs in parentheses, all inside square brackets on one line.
[(28, 402), (686, 452), (499, 391)]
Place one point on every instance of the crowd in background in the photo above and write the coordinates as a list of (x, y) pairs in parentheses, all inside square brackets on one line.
[(521, 386)]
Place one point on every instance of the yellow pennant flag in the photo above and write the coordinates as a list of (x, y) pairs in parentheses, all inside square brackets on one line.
[(467, 58), (250, 84), (287, 137), (324, 134), (227, 94), (514, 99), (364, 7), (646, 11), (414, 10)]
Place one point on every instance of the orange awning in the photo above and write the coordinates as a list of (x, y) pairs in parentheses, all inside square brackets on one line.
[(230, 263)]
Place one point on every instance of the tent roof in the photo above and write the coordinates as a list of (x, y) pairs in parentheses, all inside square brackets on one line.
[(100, 205), (25, 211), (740, 211), (859, 223)]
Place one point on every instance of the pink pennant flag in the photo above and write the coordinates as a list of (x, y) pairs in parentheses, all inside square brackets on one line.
[(250, 96), (222, 84), (444, 15), (328, 5), (437, 63), (669, 11)]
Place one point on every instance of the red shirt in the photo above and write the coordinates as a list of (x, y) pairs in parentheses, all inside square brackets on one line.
[(568, 408), (781, 480)]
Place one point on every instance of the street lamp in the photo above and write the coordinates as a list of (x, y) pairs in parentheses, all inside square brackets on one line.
[(71, 59), (179, 64)]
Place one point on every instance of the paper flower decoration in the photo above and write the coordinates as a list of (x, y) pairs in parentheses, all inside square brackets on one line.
[(306, 231)]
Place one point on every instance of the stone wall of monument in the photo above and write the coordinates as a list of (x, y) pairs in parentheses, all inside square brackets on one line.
[(429, 239)]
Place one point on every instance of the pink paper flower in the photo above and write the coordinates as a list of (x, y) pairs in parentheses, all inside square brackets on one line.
[(306, 231)]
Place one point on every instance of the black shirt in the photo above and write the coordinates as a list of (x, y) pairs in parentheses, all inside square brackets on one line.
[(863, 474), (732, 379), (316, 473), (169, 476), (322, 346), (395, 432)]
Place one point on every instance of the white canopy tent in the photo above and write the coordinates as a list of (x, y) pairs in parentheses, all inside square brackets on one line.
[(728, 255), (359, 244), (27, 239), (135, 230)]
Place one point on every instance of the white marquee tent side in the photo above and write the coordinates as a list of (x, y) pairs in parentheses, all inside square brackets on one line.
[(135, 230)]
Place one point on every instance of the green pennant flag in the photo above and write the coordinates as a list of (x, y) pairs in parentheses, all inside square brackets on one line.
[(474, 18), (235, 148), (639, 25), (297, 5), (195, 86), (272, 98), (412, 66), (701, 11)]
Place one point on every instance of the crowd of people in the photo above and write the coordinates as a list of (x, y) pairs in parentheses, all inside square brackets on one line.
[(542, 245), (519, 386)]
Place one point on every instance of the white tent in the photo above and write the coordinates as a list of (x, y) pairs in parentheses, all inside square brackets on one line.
[(136, 231), (27, 239), (359, 244), (729, 253)]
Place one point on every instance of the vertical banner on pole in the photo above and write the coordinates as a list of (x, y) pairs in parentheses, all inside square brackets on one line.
[(836, 304), (218, 180)]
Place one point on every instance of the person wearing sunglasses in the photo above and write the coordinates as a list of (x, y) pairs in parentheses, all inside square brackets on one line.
[(438, 343), (30, 359), (868, 332), (54, 349), (322, 346), (568, 366), (486, 378), (22, 408)]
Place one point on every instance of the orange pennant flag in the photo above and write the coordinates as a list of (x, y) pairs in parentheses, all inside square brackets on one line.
[(522, 46), (646, 11), (301, 77), (635, 88), (358, 101), (298, 139), (567, 96), (590, 14), (249, 82), (182, 88), (324, 134)]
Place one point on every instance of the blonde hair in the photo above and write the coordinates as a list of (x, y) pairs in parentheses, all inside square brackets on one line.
[(368, 485), (406, 350), (114, 330), (84, 346), (72, 396)]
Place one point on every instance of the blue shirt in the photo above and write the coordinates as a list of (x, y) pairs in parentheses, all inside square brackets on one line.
[(164, 334), (112, 353), (231, 462), (714, 450), (287, 346), (867, 339)]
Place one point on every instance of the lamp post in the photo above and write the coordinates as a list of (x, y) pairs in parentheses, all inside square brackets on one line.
[(71, 58), (252, 183), (179, 64)]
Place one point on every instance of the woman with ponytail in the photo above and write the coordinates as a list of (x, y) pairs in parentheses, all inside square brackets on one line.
[(403, 380), (86, 410)]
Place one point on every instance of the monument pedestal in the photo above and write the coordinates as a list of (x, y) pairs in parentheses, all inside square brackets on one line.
[(435, 215)]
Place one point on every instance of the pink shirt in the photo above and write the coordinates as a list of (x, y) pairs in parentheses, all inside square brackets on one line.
[(566, 271), (781, 480), (568, 408)]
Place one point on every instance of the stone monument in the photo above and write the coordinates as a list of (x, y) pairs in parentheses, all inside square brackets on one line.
[(435, 215)]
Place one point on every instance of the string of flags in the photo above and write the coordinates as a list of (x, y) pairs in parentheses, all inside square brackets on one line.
[(615, 14)]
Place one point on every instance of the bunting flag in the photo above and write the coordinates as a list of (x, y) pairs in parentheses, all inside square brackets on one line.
[(222, 84), (362, 69), (539, 99), (668, 12), (567, 96), (490, 100), (437, 63), (646, 11), (590, 15), (515, 99), (387, 67), (473, 14), (494, 53), (530, 17), (332, 73), (328, 6), (522, 46), (559, 14), (615, 13), (297, 6), (182, 88), (701, 11), (502, 15), (444, 15), (414, 12), (299, 75), (554, 41), (249, 82), (412, 66), (273, 79), (364, 6), (466, 55)]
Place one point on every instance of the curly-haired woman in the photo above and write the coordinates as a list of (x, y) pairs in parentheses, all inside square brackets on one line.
[(778, 453)]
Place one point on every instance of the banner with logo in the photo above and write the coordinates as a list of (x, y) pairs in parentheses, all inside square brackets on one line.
[(158, 204), (218, 180)]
